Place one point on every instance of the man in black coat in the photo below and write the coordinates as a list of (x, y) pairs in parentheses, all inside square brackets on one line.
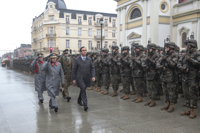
[(82, 71)]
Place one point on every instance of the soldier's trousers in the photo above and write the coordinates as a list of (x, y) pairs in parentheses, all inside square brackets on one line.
[(52, 102), (169, 91), (152, 90), (115, 81), (67, 84), (158, 86), (191, 91), (138, 84), (132, 84), (106, 80), (126, 81), (98, 80), (145, 87)]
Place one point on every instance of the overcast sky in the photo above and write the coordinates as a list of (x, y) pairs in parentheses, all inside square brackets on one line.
[(17, 15)]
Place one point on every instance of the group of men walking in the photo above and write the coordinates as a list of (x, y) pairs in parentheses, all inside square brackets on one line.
[(153, 70)]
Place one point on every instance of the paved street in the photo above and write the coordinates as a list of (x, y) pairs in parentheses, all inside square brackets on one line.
[(20, 112)]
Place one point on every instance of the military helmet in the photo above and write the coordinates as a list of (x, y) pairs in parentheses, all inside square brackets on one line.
[(193, 43), (115, 47), (40, 55), (152, 46), (65, 51), (105, 50), (177, 47), (89, 53), (183, 51), (96, 53), (145, 49), (157, 47), (140, 47), (125, 48), (170, 45)]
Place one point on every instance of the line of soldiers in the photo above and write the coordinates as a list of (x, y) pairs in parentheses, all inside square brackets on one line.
[(154, 70)]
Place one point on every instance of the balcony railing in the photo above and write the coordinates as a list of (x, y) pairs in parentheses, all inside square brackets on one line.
[(79, 22), (51, 35), (99, 37), (67, 22)]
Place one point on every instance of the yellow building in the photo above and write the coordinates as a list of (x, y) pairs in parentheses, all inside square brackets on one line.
[(61, 28)]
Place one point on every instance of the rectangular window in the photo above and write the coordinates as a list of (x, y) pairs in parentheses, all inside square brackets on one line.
[(67, 30), (51, 31), (106, 33), (90, 21), (98, 20), (89, 32), (98, 33), (106, 45), (51, 6), (67, 19), (113, 23), (113, 43), (79, 44), (113, 33), (51, 43), (90, 45), (79, 31), (51, 17), (79, 20), (67, 43), (106, 22)]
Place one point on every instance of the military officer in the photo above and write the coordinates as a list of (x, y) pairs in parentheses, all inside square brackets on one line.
[(54, 75), (151, 73), (189, 65), (167, 63), (138, 72), (67, 64), (114, 70), (40, 76), (105, 70)]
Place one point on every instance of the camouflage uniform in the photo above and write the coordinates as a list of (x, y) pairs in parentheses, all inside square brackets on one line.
[(114, 70), (189, 65), (125, 70), (151, 74), (138, 72), (167, 63), (105, 70)]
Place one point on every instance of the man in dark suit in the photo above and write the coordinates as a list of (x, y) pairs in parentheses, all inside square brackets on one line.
[(82, 71)]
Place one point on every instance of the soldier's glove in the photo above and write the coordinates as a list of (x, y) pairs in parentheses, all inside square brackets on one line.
[(164, 57), (63, 85), (187, 58), (133, 58), (147, 58)]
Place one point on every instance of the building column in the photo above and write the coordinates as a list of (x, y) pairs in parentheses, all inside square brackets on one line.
[(144, 24), (172, 3), (124, 26), (154, 21), (198, 34), (118, 25), (174, 34), (194, 29)]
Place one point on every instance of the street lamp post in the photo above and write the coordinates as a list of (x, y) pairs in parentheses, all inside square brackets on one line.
[(101, 22)]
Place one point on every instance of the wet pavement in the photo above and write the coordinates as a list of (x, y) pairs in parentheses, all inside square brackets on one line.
[(20, 112)]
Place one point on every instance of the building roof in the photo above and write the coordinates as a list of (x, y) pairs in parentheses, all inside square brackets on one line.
[(60, 4)]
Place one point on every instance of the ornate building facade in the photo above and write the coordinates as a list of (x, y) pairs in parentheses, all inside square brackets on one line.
[(139, 20), (61, 28)]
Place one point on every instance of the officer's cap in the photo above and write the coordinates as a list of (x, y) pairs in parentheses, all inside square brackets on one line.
[(39, 55), (53, 55), (65, 51)]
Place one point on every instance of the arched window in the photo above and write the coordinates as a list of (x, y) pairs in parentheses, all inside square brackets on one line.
[(136, 13), (184, 37)]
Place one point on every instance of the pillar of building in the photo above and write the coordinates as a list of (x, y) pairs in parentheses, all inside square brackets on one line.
[(118, 25), (123, 26), (144, 24), (172, 3)]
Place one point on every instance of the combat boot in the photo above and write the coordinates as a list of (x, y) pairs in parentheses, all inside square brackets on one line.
[(184, 105), (106, 92), (122, 96), (153, 103), (99, 89), (114, 93), (187, 112), (135, 99), (144, 95), (122, 91), (139, 100), (126, 97), (96, 89), (171, 107), (148, 103), (132, 92), (166, 106), (193, 113), (90, 88)]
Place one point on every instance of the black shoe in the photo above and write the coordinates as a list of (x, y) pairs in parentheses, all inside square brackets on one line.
[(80, 103), (85, 108), (56, 109), (41, 100), (68, 99), (64, 97), (51, 107)]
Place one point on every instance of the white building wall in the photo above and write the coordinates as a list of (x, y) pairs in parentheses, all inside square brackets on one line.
[(149, 7), (185, 8), (136, 30), (168, 12), (164, 31), (148, 32), (198, 33), (188, 25)]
